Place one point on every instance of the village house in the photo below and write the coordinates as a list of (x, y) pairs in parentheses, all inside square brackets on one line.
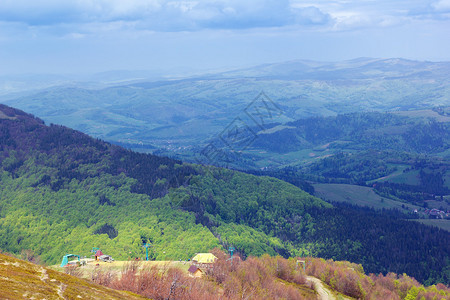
[(194, 271)]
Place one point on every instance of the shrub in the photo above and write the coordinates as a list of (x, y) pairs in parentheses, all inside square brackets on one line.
[(73, 271), (31, 256), (349, 279)]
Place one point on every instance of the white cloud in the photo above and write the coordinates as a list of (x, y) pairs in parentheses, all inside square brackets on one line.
[(441, 6), (437, 10), (46, 12), (163, 15), (192, 15), (105, 34), (312, 15)]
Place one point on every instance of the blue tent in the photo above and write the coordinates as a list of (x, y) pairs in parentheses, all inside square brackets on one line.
[(66, 257)]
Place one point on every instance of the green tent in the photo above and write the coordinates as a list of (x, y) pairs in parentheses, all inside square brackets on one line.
[(66, 257)]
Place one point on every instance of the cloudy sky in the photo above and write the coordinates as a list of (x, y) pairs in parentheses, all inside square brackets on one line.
[(70, 36)]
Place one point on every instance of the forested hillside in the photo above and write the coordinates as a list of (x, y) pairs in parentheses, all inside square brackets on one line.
[(369, 145), (360, 131), (403, 156), (64, 192)]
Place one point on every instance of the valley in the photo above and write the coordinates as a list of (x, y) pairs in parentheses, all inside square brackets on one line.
[(175, 114), (267, 174), (57, 182), (224, 149)]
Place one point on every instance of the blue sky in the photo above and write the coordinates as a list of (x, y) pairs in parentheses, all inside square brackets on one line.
[(72, 36)]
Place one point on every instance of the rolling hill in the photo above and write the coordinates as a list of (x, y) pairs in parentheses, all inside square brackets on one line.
[(176, 114), (381, 160), (306, 141)]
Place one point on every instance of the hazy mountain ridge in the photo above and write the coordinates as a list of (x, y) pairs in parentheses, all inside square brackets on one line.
[(356, 69), (179, 113)]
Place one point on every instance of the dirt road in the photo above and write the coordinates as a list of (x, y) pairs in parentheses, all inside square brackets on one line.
[(324, 293)]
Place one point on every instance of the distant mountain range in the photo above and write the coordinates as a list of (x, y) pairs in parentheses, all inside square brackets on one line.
[(176, 114)]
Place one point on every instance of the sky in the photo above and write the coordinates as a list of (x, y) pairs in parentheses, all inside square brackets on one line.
[(88, 36)]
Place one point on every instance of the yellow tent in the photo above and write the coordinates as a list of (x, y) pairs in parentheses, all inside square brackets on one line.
[(204, 258)]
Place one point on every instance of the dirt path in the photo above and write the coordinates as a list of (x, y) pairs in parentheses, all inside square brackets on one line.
[(324, 293), (44, 275), (61, 289)]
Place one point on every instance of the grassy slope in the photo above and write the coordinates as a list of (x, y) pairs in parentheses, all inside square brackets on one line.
[(358, 195), (24, 280), (409, 177), (443, 224), (365, 196)]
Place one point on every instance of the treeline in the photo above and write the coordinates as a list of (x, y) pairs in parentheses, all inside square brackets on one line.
[(293, 175), (344, 232), (431, 185), (380, 243), (353, 168), (368, 168)]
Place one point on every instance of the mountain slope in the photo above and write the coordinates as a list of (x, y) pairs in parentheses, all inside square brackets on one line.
[(362, 131), (20, 279), (64, 192)]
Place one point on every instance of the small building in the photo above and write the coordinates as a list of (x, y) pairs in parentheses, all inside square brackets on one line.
[(204, 258), (194, 271), (98, 254)]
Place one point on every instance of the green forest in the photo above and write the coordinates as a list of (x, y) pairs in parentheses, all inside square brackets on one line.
[(359, 131), (64, 192)]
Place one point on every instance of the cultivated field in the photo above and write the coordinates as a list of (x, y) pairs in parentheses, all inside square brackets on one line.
[(359, 195)]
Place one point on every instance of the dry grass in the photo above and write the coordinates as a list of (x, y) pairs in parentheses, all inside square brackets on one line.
[(20, 279), (350, 279), (116, 267), (256, 278)]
